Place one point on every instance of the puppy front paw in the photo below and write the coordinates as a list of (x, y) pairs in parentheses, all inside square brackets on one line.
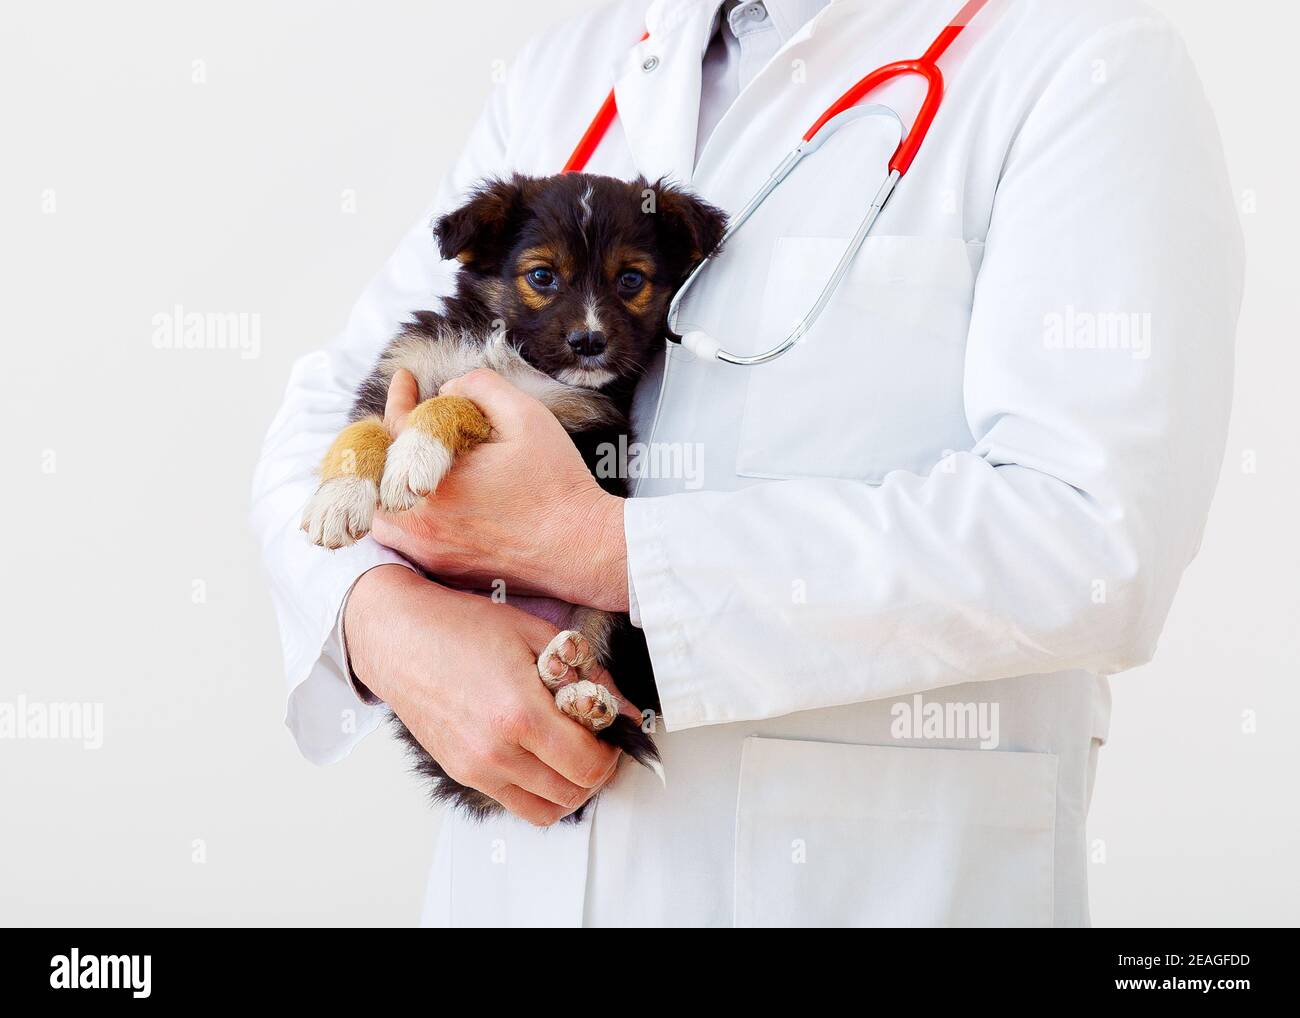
[(341, 511), (588, 703), (416, 464)]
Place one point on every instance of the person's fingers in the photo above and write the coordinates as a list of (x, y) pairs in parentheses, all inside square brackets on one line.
[(403, 395), (536, 633), (527, 806), (625, 706), (630, 710), (530, 774), (505, 406), (561, 743), (566, 747)]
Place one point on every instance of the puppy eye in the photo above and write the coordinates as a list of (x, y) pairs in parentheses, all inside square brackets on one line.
[(630, 280), (542, 279)]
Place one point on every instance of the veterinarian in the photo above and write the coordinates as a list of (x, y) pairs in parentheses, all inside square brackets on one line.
[(969, 492)]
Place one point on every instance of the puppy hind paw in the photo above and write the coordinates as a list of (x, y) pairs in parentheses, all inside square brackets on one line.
[(588, 703), (567, 650), (416, 464), (341, 511)]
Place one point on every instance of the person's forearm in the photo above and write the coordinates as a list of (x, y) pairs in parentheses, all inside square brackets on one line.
[(377, 616), (590, 567)]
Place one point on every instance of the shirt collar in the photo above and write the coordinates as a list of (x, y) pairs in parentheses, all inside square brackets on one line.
[(788, 16)]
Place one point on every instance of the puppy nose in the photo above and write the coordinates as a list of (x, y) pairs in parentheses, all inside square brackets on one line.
[(587, 343)]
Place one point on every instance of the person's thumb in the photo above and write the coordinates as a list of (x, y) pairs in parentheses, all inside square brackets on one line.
[(505, 406), (403, 394)]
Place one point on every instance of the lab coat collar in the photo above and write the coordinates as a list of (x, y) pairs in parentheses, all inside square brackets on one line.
[(663, 13), (664, 16), (658, 89), (790, 16), (657, 82)]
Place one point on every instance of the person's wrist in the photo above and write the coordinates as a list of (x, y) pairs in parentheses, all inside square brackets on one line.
[(595, 553), (370, 617)]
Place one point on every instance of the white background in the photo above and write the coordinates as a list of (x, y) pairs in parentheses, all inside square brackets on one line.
[(229, 196)]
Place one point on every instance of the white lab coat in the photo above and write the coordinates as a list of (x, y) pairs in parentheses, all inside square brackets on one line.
[(944, 491)]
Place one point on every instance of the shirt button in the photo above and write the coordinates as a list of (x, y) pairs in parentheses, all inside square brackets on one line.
[(754, 12), (650, 64)]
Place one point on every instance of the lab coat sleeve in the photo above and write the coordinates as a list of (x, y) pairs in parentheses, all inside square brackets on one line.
[(1057, 541), (308, 584)]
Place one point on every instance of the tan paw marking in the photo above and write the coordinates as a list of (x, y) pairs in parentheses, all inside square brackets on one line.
[(341, 511), (416, 464), (588, 703), (567, 650)]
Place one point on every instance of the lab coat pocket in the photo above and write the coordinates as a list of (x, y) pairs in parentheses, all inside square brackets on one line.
[(844, 835), (876, 384)]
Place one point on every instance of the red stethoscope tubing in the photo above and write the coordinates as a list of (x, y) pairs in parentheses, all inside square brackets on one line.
[(926, 66), (596, 131)]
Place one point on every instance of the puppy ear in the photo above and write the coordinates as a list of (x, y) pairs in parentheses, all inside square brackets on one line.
[(481, 232), (689, 229)]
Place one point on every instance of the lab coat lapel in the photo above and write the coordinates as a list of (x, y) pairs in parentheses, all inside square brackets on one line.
[(658, 89)]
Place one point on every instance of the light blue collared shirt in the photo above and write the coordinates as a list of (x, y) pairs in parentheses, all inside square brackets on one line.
[(744, 39)]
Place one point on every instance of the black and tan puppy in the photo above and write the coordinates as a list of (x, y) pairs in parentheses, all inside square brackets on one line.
[(563, 288)]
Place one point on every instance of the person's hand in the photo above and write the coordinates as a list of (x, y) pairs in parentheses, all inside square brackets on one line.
[(522, 508), (461, 673)]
